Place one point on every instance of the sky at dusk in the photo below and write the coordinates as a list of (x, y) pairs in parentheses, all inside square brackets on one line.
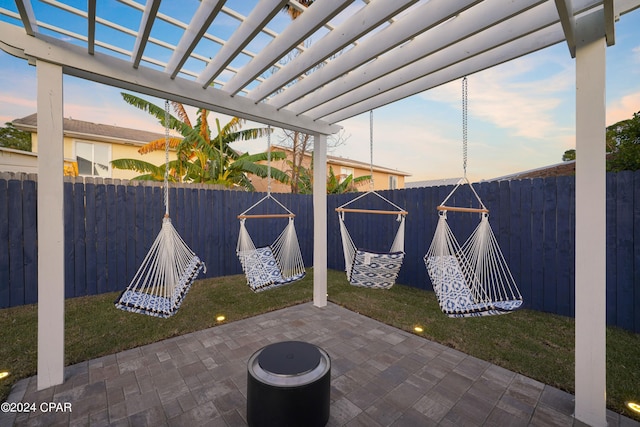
[(521, 113)]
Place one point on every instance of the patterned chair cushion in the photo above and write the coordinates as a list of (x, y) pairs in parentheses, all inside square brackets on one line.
[(375, 270), (262, 270), (454, 296), (160, 306)]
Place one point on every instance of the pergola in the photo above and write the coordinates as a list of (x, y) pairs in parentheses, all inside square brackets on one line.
[(337, 59)]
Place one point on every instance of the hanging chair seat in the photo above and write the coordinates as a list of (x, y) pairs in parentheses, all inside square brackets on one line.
[(454, 294), (164, 277), (376, 270), (153, 304), (262, 270)]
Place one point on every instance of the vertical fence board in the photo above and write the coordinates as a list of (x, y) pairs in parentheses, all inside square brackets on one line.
[(91, 264), (549, 244), (504, 232), (514, 232), (130, 233), (69, 247), (5, 267), (102, 271), (79, 241), (204, 231), (140, 235), (16, 254), (565, 243), (624, 250), (121, 237), (217, 242), (612, 273), (525, 284), (30, 237), (537, 244), (114, 282), (150, 222)]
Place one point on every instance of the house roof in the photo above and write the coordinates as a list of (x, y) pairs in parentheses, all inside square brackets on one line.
[(558, 169), (432, 182), (93, 131), (341, 161)]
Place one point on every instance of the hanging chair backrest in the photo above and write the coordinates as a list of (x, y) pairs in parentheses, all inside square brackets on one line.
[(398, 243), (462, 182)]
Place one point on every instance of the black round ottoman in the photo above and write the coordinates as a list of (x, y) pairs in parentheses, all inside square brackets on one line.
[(288, 384)]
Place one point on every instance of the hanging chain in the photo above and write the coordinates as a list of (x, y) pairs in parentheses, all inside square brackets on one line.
[(167, 117), (371, 186), (464, 125), (269, 159)]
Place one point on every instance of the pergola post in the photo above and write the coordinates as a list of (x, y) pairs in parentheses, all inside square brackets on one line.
[(319, 220), (50, 226), (590, 262)]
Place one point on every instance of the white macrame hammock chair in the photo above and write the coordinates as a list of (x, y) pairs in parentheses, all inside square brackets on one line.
[(474, 279), (375, 270), (169, 268), (279, 263)]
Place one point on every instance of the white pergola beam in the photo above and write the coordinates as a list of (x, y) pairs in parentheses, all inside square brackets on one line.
[(565, 12), (50, 218), (116, 72), (361, 22), (319, 220), (423, 19), (253, 24), (27, 16), (533, 42), (591, 226), (295, 33), (206, 13), (146, 23)]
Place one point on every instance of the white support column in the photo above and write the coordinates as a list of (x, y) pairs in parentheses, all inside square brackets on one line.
[(50, 226), (590, 351), (319, 220)]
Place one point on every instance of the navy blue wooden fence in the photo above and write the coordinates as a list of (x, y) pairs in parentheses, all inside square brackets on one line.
[(109, 227)]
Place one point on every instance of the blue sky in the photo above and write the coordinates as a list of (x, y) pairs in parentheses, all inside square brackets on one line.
[(521, 113)]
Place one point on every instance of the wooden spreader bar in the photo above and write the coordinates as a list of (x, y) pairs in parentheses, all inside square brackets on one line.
[(456, 209), (371, 211), (243, 216)]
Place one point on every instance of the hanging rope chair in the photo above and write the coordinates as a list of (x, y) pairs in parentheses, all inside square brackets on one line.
[(277, 264), (169, 268), (375, 270), (474, 279)]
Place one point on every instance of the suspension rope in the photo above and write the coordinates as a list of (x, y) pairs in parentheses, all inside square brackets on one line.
[(464, 125), (167, 117), (269, 159), (371, 186)]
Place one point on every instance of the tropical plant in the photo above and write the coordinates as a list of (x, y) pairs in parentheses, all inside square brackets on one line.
[(339, 184), (11, 137), (622, 145), (336, 184), (199, 157)]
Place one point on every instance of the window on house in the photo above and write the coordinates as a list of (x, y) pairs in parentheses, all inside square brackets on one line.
[(393, 182), (345, 172), (93, 159)]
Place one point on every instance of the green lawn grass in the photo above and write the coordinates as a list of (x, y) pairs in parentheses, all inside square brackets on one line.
[(538, 345)]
